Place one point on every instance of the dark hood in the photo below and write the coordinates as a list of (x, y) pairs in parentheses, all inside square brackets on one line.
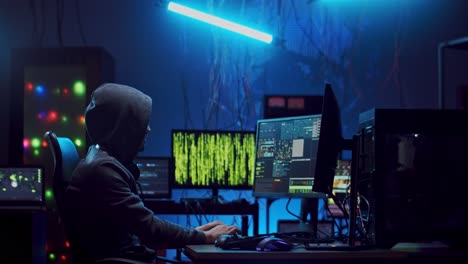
[(117, 118)]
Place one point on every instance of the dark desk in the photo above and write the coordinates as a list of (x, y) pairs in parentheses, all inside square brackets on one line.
[(234, 208), (406, 253), (209, 254)]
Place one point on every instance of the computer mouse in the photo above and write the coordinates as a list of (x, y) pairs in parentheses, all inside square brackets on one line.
[(274, 244), (222, 240)]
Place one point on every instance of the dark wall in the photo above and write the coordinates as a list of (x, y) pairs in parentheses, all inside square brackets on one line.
[(375, 53)]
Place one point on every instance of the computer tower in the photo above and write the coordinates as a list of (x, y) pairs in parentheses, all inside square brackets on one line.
[(411, 176)]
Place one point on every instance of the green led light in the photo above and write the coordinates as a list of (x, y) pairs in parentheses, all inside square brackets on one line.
[(78, 142), (48, 194), (36, 152), (79, 88), (64, 119), (52, 256), (35, 142), (13, 177)]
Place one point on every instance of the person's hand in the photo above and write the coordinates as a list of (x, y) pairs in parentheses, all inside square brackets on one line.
[(209, 225), (214, 229)]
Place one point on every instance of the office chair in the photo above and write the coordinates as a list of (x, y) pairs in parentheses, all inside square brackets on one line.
[(65, 159)]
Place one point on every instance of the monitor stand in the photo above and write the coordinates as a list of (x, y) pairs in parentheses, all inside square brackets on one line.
[(214, 199), (309, 207)]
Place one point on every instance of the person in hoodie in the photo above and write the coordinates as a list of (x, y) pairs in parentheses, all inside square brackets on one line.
[(108, 217)]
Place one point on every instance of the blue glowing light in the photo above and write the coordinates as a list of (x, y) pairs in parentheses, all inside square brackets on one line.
[(40, 90), (219, 22)]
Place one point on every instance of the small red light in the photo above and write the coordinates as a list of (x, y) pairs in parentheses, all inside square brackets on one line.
[(63, 257), (29, 86), (81, 119), (67, 244)]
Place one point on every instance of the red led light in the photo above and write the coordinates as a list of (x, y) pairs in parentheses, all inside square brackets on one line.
[(66, 91), (52, 116), (29, 86), (63, 257), (44, 144), (81, 119), (67, 244)]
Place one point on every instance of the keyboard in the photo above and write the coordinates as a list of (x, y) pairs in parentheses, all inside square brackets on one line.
[(237, 241)]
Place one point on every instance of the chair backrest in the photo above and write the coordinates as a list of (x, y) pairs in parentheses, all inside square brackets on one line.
[(65, 158)]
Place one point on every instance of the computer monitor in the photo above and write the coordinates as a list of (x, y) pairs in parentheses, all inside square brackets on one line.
[(297, 156), (213, 159), (156, 176), (21, 187)]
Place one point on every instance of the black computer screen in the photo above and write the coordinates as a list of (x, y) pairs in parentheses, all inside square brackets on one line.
[(213, 159), (156, 176), (296, 156)]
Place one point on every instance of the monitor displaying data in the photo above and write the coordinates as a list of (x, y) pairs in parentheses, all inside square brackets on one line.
[(156, 175), (286, 156), (21, 185), (213, 159), (297, 156)]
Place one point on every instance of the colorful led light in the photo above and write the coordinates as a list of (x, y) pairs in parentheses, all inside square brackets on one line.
[(79, 88), (49, 194), (26, 143), (29, 87), (41, 115), (52, 116), (81, 119), (40, 90), (78, 142), (220, 22), (36, 142), (66, 91)]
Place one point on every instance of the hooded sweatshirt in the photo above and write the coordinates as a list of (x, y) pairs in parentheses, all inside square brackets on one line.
[(106, 217)]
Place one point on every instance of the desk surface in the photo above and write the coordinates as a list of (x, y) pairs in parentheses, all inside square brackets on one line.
[(212, 254), (400, 253)]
